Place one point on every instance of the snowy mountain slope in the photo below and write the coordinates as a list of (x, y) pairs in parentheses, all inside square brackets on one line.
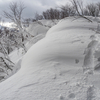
[(52, 69)]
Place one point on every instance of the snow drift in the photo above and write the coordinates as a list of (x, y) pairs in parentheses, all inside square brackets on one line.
[(52, 69), (39, 29)]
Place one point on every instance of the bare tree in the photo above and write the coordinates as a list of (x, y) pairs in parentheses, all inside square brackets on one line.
[(51, 14), (15, 15), (78, 6), (67, 10), (86, 13), (92, 9), (98, 5), (38, 17), (44, 15), (56, 14)]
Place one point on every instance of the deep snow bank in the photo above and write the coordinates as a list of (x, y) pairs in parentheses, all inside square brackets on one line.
[(52, 68)]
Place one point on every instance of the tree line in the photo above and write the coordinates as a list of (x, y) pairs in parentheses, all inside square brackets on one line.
[(74, 8)]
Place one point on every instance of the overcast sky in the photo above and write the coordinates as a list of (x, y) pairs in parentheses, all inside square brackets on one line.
[(33, 6)]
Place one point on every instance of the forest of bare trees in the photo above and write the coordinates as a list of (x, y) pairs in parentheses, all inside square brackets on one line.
[(74, 8)]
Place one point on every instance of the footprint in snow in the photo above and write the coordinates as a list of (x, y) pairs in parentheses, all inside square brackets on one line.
[(76, 61)]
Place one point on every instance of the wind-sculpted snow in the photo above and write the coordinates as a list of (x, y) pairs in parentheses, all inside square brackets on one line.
[(88, 65), (52, 69), (36, 28)]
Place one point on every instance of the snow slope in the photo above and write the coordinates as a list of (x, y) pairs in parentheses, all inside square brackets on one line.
[(39, 29), (58, 67), (36, 28)]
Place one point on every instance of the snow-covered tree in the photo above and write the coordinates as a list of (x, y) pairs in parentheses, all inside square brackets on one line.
[(15, 15)]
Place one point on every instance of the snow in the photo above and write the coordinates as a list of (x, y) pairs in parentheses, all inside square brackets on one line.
[(53, 68), (49, 23), (36, 28), (34, 40), (16, 55), (41, 26)]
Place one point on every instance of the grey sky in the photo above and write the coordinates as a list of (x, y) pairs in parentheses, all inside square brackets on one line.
[(33, 6)]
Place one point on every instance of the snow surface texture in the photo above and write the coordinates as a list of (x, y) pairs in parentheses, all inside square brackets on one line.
[(52, 69)]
